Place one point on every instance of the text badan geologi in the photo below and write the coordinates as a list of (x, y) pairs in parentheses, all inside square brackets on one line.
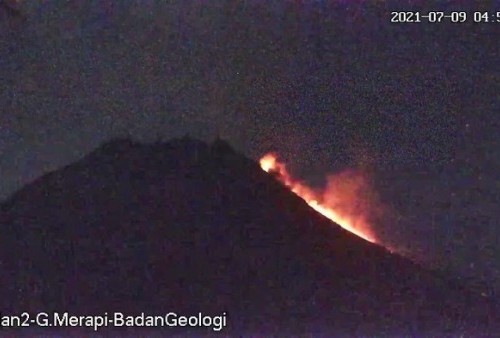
[(116, 319)]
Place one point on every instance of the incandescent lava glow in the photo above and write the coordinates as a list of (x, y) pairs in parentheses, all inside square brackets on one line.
[(345, 200)]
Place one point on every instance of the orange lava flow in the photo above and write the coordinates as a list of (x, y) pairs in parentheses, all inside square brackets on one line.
[(342, 200)]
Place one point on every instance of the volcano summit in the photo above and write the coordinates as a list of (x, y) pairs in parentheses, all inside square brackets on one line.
[(190, 228)]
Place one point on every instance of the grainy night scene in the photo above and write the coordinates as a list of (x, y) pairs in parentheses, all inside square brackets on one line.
[(324, 168)]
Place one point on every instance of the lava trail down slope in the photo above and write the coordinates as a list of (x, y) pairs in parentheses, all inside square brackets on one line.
[(187, 226)]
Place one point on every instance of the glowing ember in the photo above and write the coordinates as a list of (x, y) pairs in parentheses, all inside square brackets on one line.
[(344, 200)]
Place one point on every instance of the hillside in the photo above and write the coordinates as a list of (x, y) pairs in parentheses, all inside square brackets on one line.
[(186, 226)]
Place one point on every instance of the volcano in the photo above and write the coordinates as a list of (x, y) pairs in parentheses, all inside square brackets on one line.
[(192, 227)]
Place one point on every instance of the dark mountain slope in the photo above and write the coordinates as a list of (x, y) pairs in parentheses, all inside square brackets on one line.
[(185, 226)]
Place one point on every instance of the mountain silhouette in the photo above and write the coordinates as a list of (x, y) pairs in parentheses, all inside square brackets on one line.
[(192, 227)]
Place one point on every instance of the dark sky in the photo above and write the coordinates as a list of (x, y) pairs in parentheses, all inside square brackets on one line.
[(327, 84)]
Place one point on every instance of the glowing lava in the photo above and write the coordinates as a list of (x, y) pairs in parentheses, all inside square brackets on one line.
[(345, 200)]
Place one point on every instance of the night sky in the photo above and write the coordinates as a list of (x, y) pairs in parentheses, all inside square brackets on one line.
[(329, 85)]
